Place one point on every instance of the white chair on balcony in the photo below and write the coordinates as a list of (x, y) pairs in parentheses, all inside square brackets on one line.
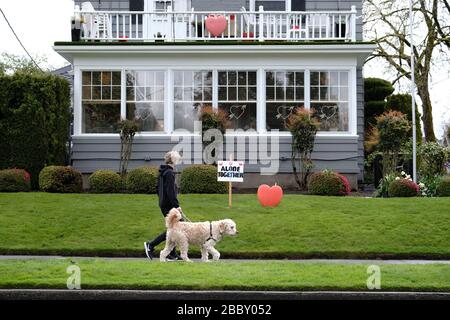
[(250, 23)]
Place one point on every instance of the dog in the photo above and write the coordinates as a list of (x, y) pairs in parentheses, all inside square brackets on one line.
[(181, 234)]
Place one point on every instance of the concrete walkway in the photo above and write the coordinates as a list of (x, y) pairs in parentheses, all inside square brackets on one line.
[(333, 261)]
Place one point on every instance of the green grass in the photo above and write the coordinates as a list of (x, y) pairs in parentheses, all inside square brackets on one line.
[(302, 226), (276, 275)]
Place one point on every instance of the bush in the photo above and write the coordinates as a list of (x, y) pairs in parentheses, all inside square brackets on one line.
[(201, 179), (142, 180), (403, 188), (402, 103), (34, 122), (105, 181), (328, 183), (375, 92), (433, 157), (60, 179), (14, 180), (429, 184), (443, 188)]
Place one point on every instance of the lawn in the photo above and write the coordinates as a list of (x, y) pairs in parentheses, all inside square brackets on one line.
[(302, 226), (263, 275)]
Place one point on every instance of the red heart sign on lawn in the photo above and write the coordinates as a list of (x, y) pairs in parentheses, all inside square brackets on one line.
[(216, 24), (270, 196)]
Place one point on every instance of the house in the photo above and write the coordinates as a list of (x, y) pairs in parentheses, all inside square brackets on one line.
[(256, 60)]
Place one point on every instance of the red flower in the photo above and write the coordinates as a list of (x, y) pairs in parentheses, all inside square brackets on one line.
[(347, 188)]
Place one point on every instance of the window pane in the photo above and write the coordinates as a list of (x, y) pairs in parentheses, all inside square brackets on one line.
[(270, 93), (116, 93), (277, 115), (270, 78), (96, 78), (149, 115), (334, 93), (185, 114), (299, 78), (343, 93), (231, 78), (324, 93), (242, 78), (116, 78), (86, 93), (87, 77), (106, 78), (232, 94), (314, 78), (334, 78), (290, 93), (241, 116), (195, 91), (106, 93), (324, 78), (96, 93), (99, 117), (300, 93), (343, 78), (332, 116)]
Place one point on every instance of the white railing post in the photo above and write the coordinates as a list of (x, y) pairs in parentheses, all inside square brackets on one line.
[(171, 23), (261, 23), (353, 23)]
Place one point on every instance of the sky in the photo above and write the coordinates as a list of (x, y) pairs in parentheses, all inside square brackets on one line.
[(46, 21)]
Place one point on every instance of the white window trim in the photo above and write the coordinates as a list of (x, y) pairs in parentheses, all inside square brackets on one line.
[(260, 103)]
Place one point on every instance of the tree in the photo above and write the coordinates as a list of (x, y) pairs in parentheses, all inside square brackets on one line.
[(128, 129), (11, 63), (375, 92), (303, 128), (402, 102), (387, 22)]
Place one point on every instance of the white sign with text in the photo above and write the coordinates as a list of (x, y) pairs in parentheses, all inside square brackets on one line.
[(230, 171)]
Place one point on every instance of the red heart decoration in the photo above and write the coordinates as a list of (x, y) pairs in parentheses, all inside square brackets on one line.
[(270, 196), (216, 24)]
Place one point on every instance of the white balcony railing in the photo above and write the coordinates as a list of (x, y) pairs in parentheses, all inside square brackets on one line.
[(218, 25)]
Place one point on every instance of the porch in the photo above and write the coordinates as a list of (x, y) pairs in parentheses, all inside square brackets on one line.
[(187, 24)]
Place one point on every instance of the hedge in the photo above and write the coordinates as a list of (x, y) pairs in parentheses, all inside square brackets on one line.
[(34, 121), (105, 181), (375, 92), (201, 178), (14, 180), (60, 179), (142, 180), (328, 183), (403, 188), (443, 188)]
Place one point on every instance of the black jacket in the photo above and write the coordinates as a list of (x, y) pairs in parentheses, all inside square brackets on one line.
[(167, 189)]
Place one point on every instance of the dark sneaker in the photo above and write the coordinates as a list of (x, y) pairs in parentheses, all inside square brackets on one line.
[(173, 257), (148, 250)]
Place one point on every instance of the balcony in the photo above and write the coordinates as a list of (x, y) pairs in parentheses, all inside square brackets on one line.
[(170, 26)]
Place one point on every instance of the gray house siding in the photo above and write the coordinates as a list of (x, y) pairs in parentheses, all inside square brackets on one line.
[(90, 154)]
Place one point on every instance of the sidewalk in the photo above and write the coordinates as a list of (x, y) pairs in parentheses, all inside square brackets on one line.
[(156, 259)]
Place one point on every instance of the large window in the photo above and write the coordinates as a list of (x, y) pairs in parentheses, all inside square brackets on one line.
[(285, 91), (100, 101), (192, 91), (145, 99), (329, 99), (237, 98)]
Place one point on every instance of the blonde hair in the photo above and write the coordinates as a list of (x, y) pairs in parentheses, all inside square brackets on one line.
[(172, 157)]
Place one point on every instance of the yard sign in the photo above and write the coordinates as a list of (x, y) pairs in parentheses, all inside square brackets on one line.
[(230, 171)]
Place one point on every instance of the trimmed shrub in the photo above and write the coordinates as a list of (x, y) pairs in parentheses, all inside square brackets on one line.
[(14, 180), (433, 157), (402, 102), (34, 122), (142, 180), (328, 183), (443, 188), (105, 181), (60, 179), (201, 178), (375, 92), (403, 188)]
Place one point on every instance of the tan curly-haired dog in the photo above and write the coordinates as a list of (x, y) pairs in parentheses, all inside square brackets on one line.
[(205, 234)]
